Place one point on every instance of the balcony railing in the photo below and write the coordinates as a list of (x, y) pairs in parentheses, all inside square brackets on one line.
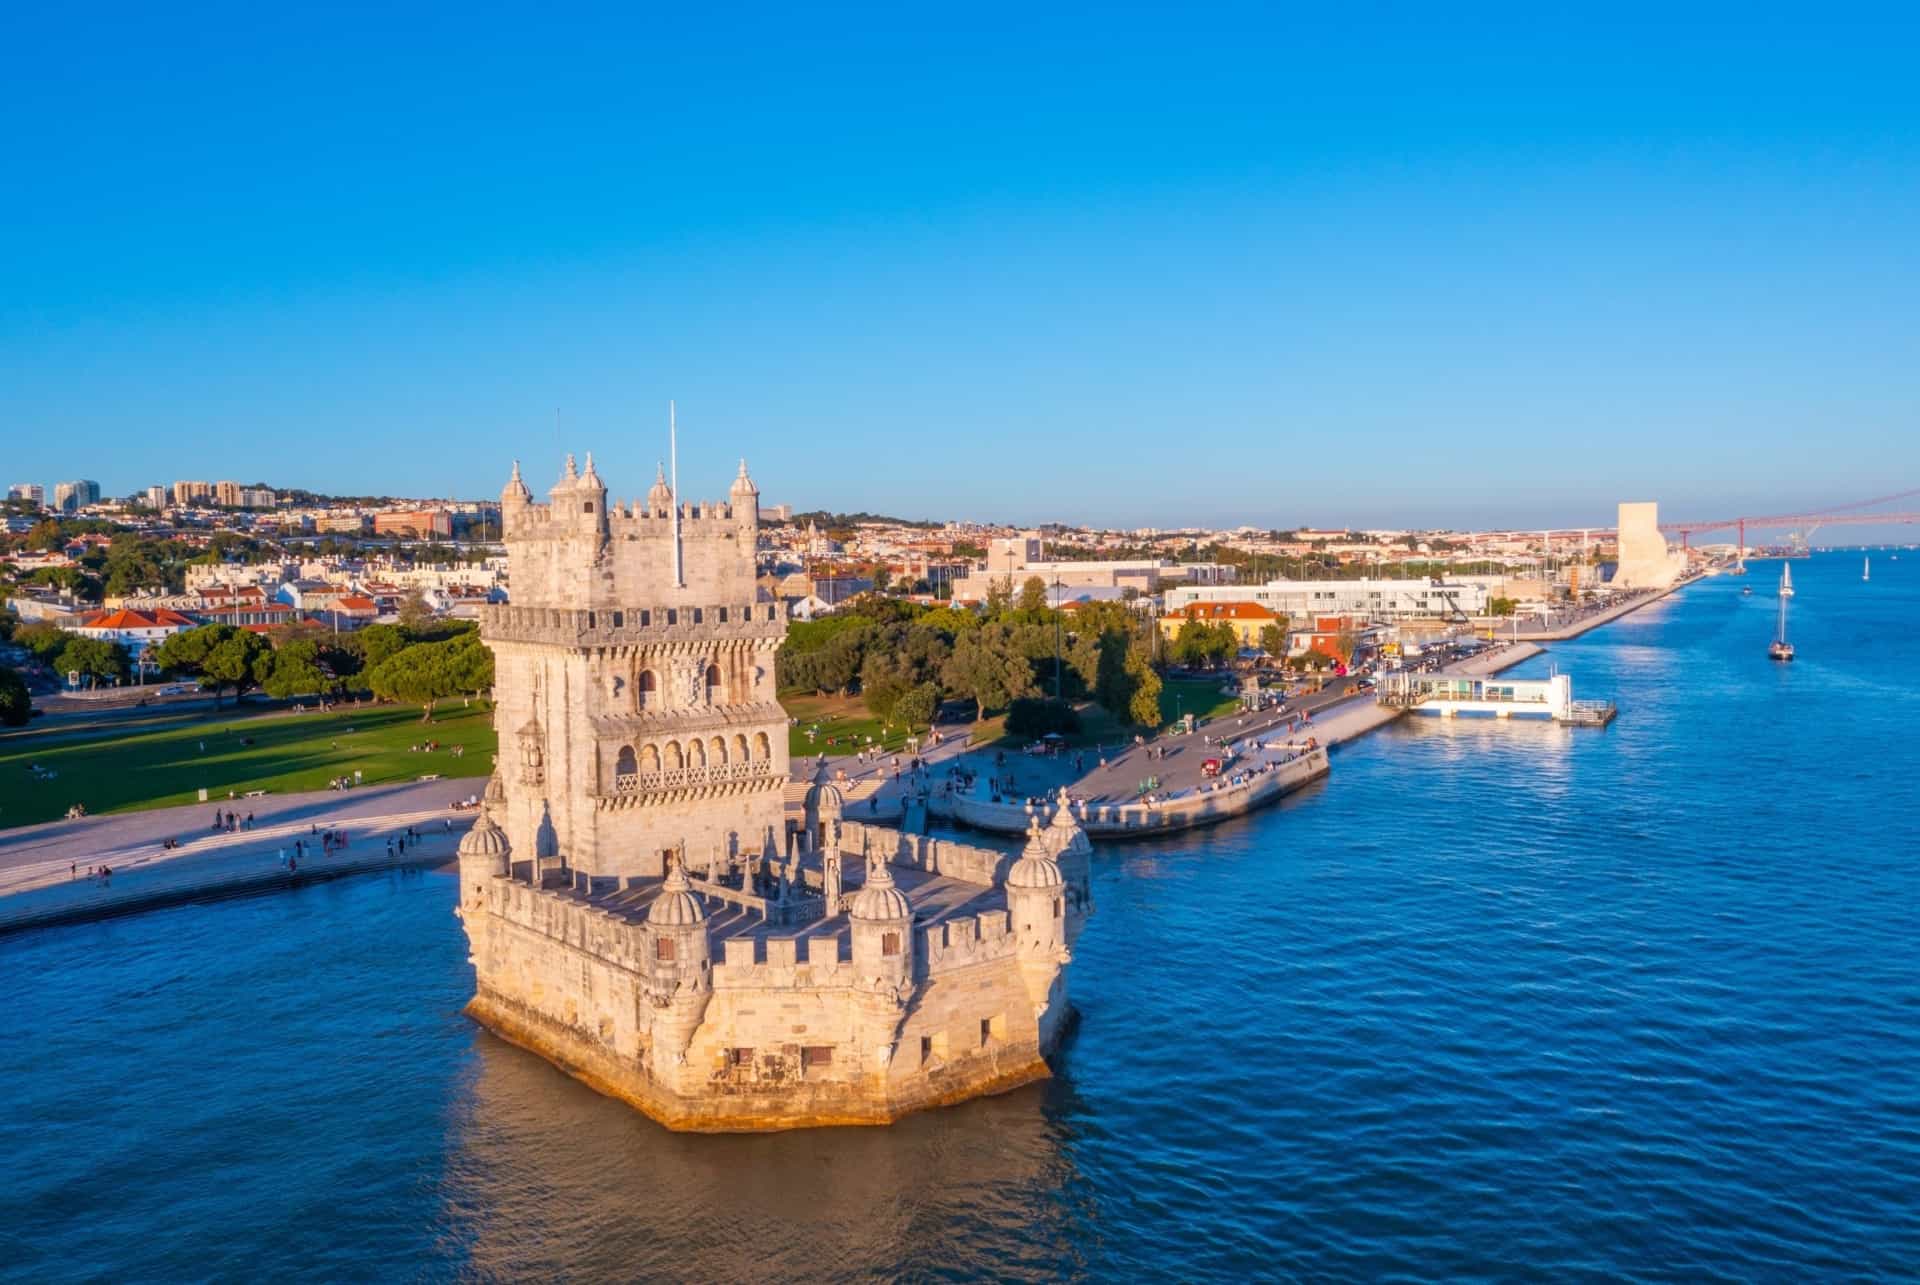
[(681, 778)]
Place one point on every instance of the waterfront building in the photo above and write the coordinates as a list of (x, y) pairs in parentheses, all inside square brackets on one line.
[(70, 497), (1246, 619), (1368, 599), (642, 909)]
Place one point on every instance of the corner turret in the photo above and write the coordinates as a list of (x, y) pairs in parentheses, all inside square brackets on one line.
[(679, 970), (1036, 905), (882, 921), (659, 495)]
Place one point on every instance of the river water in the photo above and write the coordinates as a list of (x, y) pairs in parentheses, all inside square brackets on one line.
[(1503, 1001)]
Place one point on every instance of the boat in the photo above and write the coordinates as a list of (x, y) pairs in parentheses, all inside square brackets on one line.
[(1866, 568), (1746, 591), (1780, 648)]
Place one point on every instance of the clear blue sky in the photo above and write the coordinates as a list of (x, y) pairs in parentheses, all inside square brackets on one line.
[(1200, 263)]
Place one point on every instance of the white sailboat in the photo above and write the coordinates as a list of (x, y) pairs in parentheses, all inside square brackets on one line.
[(1780, 648), (1866, 568)]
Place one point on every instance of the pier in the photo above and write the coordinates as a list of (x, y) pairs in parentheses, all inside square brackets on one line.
[(1455, 695)]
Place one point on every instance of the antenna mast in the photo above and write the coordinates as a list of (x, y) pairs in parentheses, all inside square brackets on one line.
[(673, 456)]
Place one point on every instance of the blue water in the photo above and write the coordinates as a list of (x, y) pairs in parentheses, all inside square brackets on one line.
[(1501, 1001)]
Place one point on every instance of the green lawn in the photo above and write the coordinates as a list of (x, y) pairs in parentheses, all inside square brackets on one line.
[(1200, 697), (160, 768), (842, 719)]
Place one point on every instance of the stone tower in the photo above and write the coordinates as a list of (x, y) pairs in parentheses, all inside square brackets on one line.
[(634, 669)]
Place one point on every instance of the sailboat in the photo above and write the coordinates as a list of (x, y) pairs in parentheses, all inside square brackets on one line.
[(1780, 648), (1866, 568)]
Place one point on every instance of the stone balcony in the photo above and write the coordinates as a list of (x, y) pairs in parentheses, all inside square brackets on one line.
[(692, 778), (617, 627)]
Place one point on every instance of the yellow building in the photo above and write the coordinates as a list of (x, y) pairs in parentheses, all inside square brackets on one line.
[(1247, 619)]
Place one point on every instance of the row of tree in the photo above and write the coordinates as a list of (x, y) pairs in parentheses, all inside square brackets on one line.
[(905, 659)]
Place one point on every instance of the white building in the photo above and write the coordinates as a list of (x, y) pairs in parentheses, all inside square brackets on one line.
[(1301, 600), (28, 491)]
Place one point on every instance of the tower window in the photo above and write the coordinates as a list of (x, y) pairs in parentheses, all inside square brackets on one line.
[(663, 949), (813, 1056), (889, 943), (696, 615), (740, 1058), (587, 507)]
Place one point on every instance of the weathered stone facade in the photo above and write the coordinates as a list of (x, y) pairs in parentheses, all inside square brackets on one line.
[(641, 910)]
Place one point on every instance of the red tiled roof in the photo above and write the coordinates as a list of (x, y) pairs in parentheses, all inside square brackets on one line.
[(125, 619)]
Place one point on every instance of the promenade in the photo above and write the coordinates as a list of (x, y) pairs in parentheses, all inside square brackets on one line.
[(43, 868)]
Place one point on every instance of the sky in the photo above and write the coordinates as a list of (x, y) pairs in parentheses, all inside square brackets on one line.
[(1405, 265)]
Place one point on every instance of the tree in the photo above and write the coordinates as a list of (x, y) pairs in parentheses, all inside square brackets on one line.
[(44, 640), (95, 658), (377, 642), (1033, 598), (427, 672), (1273, 640), (1502, 607), (298, 670), (1036, 716), (884, 679), (1143, 703), (988, 667), (241, 661), (917, 705), (16, 703), (882, 577)]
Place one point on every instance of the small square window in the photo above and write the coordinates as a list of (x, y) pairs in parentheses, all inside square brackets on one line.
[(663, 949), (740, 1057)]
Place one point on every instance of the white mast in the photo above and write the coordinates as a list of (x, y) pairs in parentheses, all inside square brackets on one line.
[(673, 484)]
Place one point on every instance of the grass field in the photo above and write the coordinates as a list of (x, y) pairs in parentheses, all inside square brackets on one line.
[(1200, 697), (842, 719), (154, 768)]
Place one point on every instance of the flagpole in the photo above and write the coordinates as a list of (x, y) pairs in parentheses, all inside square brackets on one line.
[(673, 455)]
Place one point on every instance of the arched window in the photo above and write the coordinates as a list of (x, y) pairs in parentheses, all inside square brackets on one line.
[(649, 758), (717, 751), (626, 765), (739, 749), (762, 748), (675, 761), (696, 753), (713, 682), (646, 692)]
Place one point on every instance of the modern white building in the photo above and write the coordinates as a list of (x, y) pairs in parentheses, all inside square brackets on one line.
[(1367, 599), (28, 491)]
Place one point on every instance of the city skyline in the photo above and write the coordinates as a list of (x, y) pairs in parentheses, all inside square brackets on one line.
[(1262, 272)]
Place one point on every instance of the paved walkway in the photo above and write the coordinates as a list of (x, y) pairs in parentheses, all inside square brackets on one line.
[(44, 855)]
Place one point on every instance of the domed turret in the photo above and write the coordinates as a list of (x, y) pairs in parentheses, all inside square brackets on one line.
[(881, 921), (1036, 908), (880, 899), (1065, 833), (659, 495), (679, 971), (485, 846), (743, 491), (515, 492), (676, 906), (564, 487), (1035, 869)]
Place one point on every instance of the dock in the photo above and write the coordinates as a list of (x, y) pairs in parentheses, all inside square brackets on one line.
[(1455, 696)]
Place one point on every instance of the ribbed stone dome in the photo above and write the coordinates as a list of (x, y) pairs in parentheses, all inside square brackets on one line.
[(881, 898), (743, 485), (660, 496), (676, 906), (1067, 834), (1035, 868), (485, 840)]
